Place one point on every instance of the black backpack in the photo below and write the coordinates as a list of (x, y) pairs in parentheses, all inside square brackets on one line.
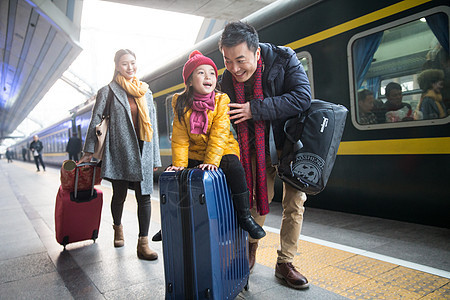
[(311, 145)]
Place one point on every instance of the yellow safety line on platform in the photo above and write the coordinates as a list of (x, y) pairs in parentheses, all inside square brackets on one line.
[(348, 274), (355, 276)]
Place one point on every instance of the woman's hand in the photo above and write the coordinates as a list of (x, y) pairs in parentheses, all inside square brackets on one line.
[(87, 157), (174, 168), (207, 167)]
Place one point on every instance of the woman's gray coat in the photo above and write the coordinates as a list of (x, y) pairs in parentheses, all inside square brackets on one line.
[(122, 159)]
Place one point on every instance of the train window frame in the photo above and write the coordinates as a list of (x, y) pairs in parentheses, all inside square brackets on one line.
[(352, 85), (310, 73)]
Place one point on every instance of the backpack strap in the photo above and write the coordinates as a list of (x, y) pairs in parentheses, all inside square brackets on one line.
[(107, 109)]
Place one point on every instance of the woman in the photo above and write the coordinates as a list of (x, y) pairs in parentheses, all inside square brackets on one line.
[(131, 147), (431, 106)]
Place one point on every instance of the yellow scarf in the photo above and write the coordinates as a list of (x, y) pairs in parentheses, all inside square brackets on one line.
[(438, 100), (137, 89)]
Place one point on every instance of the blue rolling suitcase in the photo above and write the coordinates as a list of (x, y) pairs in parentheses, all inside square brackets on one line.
[(205, 251)]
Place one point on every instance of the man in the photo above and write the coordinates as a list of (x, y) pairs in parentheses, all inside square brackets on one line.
[(36, 149), (266, 84), (394, 103), (24, 153), (9, 155), (73, 147)]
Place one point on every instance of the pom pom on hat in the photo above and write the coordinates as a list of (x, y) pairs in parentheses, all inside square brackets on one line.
[(194, 53), (196, 58)]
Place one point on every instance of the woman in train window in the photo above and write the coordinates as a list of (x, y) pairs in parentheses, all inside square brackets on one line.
[(131, 147), (431, 106)]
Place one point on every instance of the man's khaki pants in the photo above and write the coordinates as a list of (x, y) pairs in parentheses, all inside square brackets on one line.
[(292, 218)]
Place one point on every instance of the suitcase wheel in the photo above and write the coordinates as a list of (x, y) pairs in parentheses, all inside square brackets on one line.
[(208, 294), (65, 241), (246, 287), (94, 235)]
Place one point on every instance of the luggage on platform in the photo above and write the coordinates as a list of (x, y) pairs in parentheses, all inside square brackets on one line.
[(205, 251), (86, 171), (78, 213), (311, 145)]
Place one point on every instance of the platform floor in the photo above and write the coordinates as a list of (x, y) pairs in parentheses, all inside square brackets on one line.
[(343, 256)]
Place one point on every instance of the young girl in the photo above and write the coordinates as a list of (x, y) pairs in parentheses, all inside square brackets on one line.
[(201, 134)]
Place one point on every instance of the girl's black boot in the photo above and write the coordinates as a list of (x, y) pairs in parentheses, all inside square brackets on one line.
[(245, 219)]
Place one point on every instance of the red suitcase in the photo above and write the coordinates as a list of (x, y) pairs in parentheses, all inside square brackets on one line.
[(77, 214)]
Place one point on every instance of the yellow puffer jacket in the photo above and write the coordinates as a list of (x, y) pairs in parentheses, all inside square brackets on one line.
[(210, 147)]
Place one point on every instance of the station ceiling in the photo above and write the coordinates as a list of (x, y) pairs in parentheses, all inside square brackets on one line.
[(39, 40), (38, 43), (231, 10)]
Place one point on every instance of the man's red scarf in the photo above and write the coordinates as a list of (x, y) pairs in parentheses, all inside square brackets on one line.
[(262, 204)]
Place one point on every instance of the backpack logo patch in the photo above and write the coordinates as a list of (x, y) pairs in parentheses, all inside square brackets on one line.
[(308, 166), (324, 124)]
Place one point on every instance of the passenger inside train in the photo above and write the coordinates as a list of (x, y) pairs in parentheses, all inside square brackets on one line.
[(388, 63), (365, 106), (394, 109), (431, 105)]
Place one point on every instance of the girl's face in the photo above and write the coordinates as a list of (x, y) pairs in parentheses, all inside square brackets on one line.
[(127, 66), (366, 105), (437, 86), (204, 79)]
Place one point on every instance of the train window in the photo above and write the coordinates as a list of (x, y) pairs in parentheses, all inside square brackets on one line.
[(400, 73), (169, 116), (306, 60)]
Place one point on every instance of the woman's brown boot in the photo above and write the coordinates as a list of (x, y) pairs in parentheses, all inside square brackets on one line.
[(118, 236), (144, 251)]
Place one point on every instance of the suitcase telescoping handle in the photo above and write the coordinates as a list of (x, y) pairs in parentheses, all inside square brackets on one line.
[(92, 195)]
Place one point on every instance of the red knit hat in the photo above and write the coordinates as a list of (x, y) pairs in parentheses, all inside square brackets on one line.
[(196, 58)]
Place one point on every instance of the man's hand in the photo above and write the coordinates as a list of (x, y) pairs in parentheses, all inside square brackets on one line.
[(240, 112)]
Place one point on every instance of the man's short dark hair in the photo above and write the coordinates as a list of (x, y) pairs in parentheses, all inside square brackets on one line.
[(392, 86), (236, 33)]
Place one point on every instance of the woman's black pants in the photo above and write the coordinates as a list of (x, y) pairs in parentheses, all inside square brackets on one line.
[(120, 189)]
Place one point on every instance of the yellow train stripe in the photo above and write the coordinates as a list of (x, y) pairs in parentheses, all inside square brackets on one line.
[(420, 146), (56, 154), (165, 152), (376, 15), (169, 90), (396, 146)]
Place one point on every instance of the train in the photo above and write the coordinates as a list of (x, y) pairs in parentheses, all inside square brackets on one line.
[(394, 170)]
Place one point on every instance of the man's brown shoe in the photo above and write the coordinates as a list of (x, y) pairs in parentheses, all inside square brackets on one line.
[(292, 277), (252, 255)]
